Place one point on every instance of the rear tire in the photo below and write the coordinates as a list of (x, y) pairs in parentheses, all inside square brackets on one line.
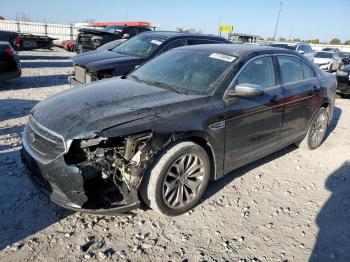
[(177, 180), (316, 132)]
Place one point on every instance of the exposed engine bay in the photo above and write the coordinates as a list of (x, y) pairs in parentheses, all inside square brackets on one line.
[(113, 167)]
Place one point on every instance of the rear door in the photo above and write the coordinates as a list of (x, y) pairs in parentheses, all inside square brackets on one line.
[(253, 123), (301, 87)]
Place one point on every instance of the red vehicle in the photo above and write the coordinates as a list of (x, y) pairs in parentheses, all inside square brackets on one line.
[(69, 45)]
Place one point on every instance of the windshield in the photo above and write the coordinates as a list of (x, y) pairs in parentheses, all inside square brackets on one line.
[(141, 45), (285, 46), (113, 29), (323, 55), (185, 71)]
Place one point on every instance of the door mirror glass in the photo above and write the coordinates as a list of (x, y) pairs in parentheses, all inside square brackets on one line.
[(246, 90)]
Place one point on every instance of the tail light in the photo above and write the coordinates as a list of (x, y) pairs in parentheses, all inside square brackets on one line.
[(17, 41), (9, 52)]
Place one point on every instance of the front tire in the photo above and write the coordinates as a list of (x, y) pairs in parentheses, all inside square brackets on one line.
[(177, 180), (317, 130)]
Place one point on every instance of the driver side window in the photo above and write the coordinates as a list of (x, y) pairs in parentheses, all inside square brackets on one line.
[(258, 72)]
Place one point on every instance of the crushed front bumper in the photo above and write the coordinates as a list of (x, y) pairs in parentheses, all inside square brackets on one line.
[(64, 185)]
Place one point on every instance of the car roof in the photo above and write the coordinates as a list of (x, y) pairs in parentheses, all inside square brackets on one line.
[(327, 52), (175, 34), (238, 49)]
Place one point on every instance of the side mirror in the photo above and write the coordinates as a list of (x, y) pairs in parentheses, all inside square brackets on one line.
[(246, 90), (125, 36), (301, 52)]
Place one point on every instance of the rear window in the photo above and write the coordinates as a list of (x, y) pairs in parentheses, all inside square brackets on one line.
[(323, 55), (308, 71), (291, 69)]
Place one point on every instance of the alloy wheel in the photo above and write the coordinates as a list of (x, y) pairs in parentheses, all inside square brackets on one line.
[(183, 181), (318, 130)]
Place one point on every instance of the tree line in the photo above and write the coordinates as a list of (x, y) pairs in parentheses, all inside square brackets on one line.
[(334, 41)]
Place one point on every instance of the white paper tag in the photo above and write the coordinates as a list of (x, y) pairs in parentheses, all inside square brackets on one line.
[(227, 58), (156, 42)]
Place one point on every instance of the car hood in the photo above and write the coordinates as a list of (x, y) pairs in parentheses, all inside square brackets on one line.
[(105, 59), (83, 111), (319, 60)]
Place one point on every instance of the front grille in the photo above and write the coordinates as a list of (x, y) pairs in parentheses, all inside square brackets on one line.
[(80, 74), (85, 40), (44, 144)]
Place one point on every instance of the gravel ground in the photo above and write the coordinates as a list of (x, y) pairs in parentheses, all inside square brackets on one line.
[(291, 206)]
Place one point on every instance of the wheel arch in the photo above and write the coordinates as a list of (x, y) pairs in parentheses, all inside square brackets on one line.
[(202, 141)]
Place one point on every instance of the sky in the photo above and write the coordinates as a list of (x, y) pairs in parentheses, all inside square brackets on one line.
[(304, 19)]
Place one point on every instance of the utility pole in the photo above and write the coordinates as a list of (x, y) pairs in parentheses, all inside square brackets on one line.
[(220, 18), (278, 19)]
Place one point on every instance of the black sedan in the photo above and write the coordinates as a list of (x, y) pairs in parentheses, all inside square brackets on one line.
[(345, 57), (10, 66), (343, 77), (127, 56), (186, 117)]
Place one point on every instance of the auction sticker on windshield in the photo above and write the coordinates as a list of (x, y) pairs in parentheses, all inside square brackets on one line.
[(156, 42), (223, 57)]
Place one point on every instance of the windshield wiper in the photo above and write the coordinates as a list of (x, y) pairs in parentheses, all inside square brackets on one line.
[(157, 83), (160, 84)]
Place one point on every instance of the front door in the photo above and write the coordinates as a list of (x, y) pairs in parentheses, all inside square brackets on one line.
[(253, 123)]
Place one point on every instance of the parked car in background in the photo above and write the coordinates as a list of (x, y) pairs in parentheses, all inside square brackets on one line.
[(345, 57), (125, 57), (30, 42), (26, 41), (190, 115), (343, 77), (301, 48), (331, 49), (69, 45), (10, 37), (10, 66), (89, 39), (328, 60)]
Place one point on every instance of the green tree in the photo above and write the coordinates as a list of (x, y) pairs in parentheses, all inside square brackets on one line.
[(296, 40), (347, 42), (314, 41), (282, 39), (335, 41)]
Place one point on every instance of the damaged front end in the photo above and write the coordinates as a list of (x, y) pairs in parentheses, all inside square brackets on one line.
[(99, 175), (112, 168)]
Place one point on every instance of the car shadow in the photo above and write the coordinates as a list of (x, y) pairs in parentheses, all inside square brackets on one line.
[(333, 238), (25, 82), (15, 108), (41, 64), (215, 186), (336, 116), (24, 210), (43, 57)]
